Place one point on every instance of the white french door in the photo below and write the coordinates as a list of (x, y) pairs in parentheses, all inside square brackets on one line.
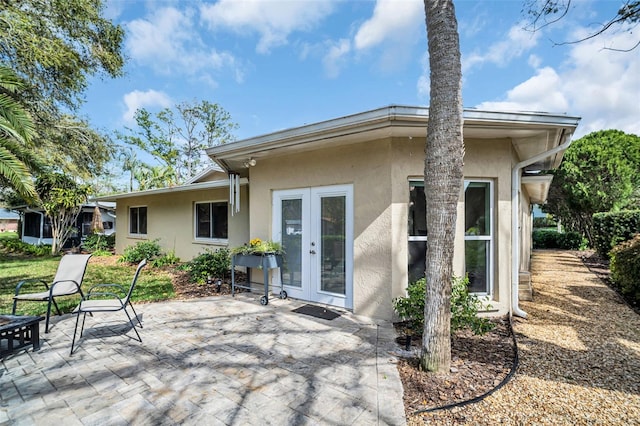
[(315, 228)]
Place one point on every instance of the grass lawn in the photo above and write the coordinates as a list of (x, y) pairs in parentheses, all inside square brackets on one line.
[(153, 284)]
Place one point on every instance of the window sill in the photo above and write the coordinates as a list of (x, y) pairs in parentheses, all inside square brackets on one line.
[(211, 241), (137, 236)]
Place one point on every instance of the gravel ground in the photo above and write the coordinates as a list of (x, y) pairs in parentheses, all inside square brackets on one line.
[(579, 354)]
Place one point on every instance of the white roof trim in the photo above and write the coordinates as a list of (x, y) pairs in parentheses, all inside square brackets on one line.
[(394, 115), (213, 167), (181, 188)]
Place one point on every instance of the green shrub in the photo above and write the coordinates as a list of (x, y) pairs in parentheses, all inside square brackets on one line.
[(411, 308), (96, 242), (610, 229), (19, 247), (142, 250), (101, 253), (544, 222), (625, 269), (464, 307), (210, 263), (165, 259), (547, 238)]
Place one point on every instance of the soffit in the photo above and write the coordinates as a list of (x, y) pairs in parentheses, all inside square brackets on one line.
[(537, 187)]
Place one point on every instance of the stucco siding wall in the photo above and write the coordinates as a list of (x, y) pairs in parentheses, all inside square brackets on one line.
[(170, 219), (526, 223), (491, 159), (367, 167), (380, 172)]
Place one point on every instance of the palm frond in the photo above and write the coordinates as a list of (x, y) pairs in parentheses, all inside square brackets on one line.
[(15, 120), (17, 174)]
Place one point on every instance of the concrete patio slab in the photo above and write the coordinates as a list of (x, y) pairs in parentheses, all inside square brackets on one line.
[(216, 361)]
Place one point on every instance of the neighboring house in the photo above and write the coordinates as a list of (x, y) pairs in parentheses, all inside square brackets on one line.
[(8, 221), (36, 227), (346, 199), (186, 219)]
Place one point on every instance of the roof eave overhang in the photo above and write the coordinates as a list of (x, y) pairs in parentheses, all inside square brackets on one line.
[(537, 187), (393, 121), (170, 190)]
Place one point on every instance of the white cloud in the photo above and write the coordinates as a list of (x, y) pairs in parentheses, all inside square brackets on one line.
[(601, 86), (424, 81), (542, 92), (113, 9), (518, 41), (168, 41), (138, 99), (534, 61), (273, 21), (392, 19), (335, 59)]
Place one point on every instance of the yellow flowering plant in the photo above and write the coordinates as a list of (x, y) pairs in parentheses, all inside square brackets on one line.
[(259, 247)]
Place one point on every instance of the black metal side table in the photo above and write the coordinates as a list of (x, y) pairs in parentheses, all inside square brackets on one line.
[(17, 332)]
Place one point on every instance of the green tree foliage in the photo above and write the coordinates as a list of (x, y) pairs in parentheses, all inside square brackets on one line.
[(16, 131), (625, 269), (54, 47), (74, 148), (176, 138), (62, 200), (600, 172)]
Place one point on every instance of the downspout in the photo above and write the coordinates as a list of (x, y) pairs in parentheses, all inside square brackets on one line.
[(515, 213)]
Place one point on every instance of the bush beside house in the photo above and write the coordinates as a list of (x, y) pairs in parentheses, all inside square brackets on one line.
[(625, 269), (550, 238), (613, 228)]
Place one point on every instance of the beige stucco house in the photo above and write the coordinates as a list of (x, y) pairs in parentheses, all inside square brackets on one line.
[(345, 197)]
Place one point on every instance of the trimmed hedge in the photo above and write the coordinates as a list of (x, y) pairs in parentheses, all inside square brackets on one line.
[(625, 269), (611, 229), (544, 222), (547, 238)]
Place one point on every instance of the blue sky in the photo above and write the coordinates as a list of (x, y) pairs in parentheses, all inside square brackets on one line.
[(276, 64)]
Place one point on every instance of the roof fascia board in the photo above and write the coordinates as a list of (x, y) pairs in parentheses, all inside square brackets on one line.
[(391, 116), (182, 188)]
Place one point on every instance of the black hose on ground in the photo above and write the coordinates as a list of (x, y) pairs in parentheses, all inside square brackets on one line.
[(479, 398)]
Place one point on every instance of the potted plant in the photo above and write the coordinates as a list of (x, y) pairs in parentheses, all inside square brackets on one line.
[(257, 254), (252, 254)]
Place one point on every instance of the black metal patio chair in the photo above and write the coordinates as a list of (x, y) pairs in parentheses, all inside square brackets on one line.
[(67, 281), (108, 298)]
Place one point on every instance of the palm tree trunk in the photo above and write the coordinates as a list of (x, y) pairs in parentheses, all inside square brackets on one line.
[(443, 179)]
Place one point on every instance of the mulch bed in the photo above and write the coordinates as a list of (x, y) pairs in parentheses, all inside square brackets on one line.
[(478, 365)]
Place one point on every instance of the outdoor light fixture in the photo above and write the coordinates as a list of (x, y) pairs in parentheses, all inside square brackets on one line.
[(250, 162), (218, 285)]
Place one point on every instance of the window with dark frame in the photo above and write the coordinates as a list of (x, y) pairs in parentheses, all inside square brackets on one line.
[(417, 226), (138, 220), (212, 220)]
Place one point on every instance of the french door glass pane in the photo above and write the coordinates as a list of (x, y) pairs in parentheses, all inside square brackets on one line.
[(476, 259), (292, 242), (332, 234)]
